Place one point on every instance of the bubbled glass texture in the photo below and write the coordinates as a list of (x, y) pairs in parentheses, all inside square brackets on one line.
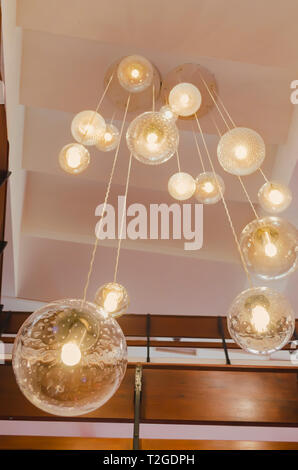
[(261, 320), (135, 73), (241, 151), (209, 188), (181, 186), (185, 99), (50, 384), (74, 158), (274, 197), (113, 298), (269, 246), (168, 113), (109, 140), (152, 139), (87, 127)]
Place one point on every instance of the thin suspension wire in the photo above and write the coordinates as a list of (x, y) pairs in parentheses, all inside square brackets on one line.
[(178, 161), (247, 195), (122, 219), (215, 125), (225, 109), (198, 149), (225, 205), (105, 202), (214, 101), (263, 174)]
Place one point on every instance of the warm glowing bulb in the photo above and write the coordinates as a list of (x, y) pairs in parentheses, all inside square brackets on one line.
[(208, 187), (135, 73), (152, 138), (108, 137), (240, 152), (73, 157), (260, 318), (184, 99), (70, 354), (275, 196), (270, 249), (111, 301), (181, 186)]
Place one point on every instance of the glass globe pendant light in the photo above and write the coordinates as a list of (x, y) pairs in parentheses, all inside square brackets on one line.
[(209, 188), (135, 73), (152, 139), (241, 151), (274, 197), (109, 140), (181, 186), (87, 127), (185, 99), (112, 298), (261, 320), (167, 112), (69, 357), (270, 247), (74, 158)]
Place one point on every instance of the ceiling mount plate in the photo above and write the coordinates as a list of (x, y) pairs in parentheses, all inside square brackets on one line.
[(191, 73)]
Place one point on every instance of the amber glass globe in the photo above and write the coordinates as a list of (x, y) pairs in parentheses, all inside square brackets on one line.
[(274, 197), (270, 247), (241, 151), (152, 139), (87, 127), (69, 357), (209, 188), (109, 140), (74, 158), (181, 186), (135, 73), (261, 320), (185, 99), (112, 298)]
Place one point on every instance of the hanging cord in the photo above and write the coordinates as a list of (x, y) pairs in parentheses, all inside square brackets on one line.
[(263, 174), (178, 161), (225, 205), (224, 108), (122, 219), (215, 125), (214, 101), (105, 202), (198, 149)]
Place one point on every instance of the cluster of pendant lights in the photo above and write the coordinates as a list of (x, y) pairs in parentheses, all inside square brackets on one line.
[(70, 356)]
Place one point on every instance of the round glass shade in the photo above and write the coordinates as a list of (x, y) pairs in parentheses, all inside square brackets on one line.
[(261, 320), (270, 248), (168, 114), (74, 158), (274, 197), (135, 73), (152, 139), (87, 127), (241, 151), (185, 99), (109, 140), (209, 188), (181, 186), (113, 298), (69, 357)]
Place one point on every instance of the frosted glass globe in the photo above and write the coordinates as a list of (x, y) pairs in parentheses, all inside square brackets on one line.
[(113, 298), (152, 139), (87, 127), (209, 188), (69, 357), (109, 140), (135, 73), (261, 320), (185, 99), (274, 197), (74, 158), (181, 186), (168, 113), (270, 247), (241, 151)]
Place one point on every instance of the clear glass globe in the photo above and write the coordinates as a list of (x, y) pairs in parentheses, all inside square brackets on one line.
[(185, 99), (74, 158), (270, 247), (113, 298), (87, 127), (241, 151), (109, 140), (261, 320), (168, 113), (274, 197), (69, 357), (181, 186), (209, 188), (152, 139), (135, 73)]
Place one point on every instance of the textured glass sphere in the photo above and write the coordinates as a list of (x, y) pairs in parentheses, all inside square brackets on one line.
[(274, 197), (168, 113), (209, 188), (152, 139), (69, 357), (135, 73), (241, 151), (87, 127), (181, 186), (109, 140), (185, 99), (261, 320), (113, 298), (270, 247), (74, 158)]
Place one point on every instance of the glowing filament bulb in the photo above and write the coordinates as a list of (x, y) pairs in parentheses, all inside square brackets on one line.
[(260, 318), (152, 138), (108, 137), (275, 196), (208, 187), (270, 249), (73, 157), (111, 301), (70, 354), (240, 152), (135, 73), (184, 99)]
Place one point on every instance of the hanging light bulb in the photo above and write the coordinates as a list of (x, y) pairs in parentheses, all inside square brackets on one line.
[(181, 186), (270, 247), (113, 298), (274, 197), (135, 73), (261, 320), (109, 140), (185, 99), (74, 158), (152, 139), (209, 188), (69, 357), (87, 127), (168, 113), (241, 151)]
